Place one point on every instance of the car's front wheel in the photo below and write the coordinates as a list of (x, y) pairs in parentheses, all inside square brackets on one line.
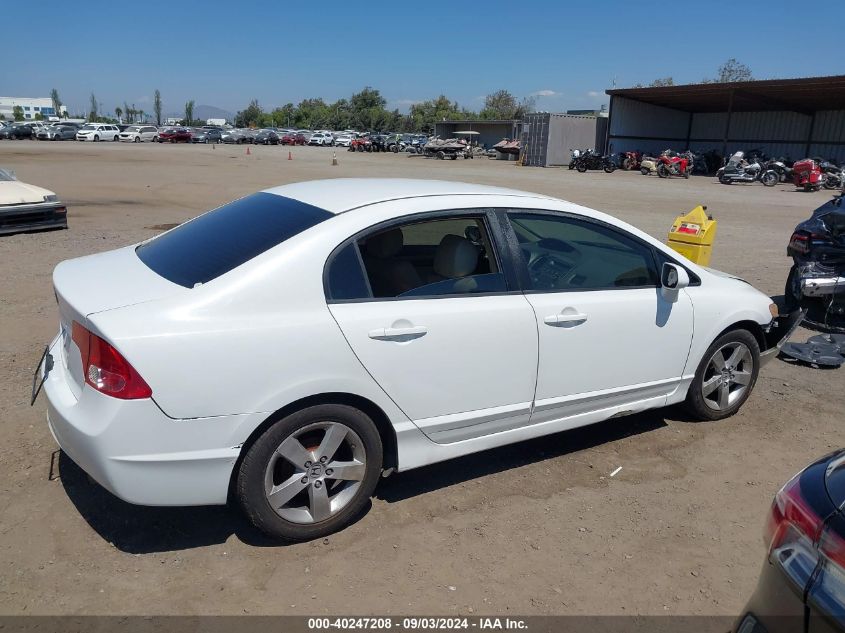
[(310, 473), (725, 377)]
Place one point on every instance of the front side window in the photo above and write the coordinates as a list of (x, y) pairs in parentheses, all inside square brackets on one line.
[(432, 258), (563, 253)]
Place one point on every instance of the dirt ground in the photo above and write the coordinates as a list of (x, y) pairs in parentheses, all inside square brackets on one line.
[(535, 528)]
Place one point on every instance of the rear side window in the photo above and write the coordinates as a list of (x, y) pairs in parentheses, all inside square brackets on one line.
[(221, 240)]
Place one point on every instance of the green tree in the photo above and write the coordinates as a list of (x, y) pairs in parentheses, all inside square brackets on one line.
[(659, 83), (189, 113), (250, 115), (118, 113), (283, 116), (39, 116), (92, 110), (503, 105), (425, 114), (732, 70), (157, 106), (57, 102), (17, 113)]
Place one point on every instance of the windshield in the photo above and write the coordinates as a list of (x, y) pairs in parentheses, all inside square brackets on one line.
[(221, 240), (89, 127)]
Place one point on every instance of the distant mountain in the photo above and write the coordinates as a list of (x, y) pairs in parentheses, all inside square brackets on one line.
[(211, 112), (204, 112)]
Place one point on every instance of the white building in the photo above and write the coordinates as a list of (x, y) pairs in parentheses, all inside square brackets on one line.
[(31, 106), (218, 122)]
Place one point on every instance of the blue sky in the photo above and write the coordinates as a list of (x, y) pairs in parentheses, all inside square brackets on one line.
[(565, 54)]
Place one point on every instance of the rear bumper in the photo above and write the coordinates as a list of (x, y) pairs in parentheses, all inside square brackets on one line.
[(778, 332), (776, 606), (29, 217), (135, 451), (822, 286)]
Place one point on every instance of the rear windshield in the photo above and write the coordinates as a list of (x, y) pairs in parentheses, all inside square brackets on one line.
[(221, 240)]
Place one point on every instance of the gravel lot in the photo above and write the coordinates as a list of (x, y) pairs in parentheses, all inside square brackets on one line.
[(535, 528)]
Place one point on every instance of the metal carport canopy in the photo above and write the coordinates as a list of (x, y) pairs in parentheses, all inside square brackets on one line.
[(806, 96)]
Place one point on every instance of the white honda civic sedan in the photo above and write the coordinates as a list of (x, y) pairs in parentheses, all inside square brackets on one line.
[(288, 348)]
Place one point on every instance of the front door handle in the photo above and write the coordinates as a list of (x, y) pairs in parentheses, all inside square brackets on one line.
[(560, 319), (392, 333)]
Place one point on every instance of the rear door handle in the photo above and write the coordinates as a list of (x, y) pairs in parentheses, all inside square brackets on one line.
[(388, 333), (558, 319)]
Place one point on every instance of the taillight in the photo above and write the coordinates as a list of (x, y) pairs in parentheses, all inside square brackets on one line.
[(105, 369), (800, 242)]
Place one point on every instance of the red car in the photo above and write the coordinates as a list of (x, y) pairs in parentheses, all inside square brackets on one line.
[(293, 139), (175, 135)]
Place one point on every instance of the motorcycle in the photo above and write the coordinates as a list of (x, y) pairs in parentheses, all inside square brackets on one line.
[(674, 164), (807, 175), (631, 160), (648, 165), (782, 166), (834, 175), (816, 281), (593, 160), (740, 170)]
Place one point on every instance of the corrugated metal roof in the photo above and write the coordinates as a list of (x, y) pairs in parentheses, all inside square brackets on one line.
[(807, 95)]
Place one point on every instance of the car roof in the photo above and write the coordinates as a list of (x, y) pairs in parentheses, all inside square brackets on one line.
[(338, 195)]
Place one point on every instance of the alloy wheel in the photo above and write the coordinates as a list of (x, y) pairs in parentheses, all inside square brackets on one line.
[(727, 377), (315, 472)]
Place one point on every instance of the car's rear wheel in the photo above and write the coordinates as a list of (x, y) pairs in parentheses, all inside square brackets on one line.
[(310, 473), (725, 377)]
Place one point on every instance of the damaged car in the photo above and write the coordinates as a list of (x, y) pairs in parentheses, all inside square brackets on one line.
[(816, 281), (25, 207)]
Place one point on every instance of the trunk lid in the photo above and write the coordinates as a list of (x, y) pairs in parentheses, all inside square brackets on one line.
[(97, 283)]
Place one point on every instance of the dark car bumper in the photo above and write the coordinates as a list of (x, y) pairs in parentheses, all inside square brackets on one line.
[(777, 605), (19, 218), (778, 332)]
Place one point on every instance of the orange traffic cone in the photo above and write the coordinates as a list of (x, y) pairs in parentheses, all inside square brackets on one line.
[(290, 156), (247, 151)]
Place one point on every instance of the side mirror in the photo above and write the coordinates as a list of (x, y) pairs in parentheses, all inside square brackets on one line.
[(672, 279)]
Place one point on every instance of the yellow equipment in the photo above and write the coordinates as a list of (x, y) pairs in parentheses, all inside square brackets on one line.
[(692, 235)]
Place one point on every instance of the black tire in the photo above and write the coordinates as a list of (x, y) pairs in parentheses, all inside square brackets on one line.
[(791, 291), (645, 171), (725, 180), (250, 485), (441, 155), (137, 139), (96, 138), (116, 139), (395, 148), (662, 170), (770, 179), (609, 168), (581, 167), (695, 404), (571, 165)]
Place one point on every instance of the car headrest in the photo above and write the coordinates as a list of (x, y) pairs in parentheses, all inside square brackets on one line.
[(385, 244), (456, 256)]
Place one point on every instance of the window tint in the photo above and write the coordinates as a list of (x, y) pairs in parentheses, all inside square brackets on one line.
[(346, 278), (442, 257), (563, 253), (220, 240)]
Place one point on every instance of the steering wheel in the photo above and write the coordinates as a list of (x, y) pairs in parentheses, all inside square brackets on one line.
[(550, 271)]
